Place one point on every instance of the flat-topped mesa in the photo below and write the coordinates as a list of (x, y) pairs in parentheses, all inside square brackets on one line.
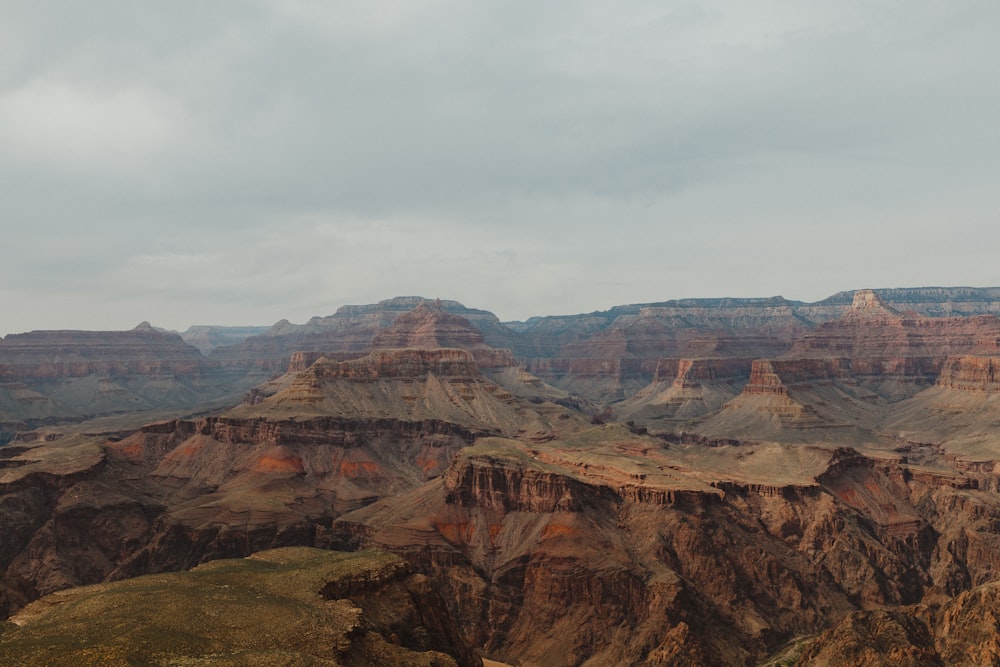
[(971, 373), (48, 355), (429, 326), (500, 485), (772, 315), (867, 302)]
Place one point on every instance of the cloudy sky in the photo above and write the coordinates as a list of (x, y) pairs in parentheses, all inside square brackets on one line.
[(239, 162)]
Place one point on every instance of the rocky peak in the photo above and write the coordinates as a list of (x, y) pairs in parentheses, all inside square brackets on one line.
[(430, 326), (868, 302)]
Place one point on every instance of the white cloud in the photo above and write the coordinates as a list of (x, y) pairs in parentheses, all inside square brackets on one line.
[(56, 124), (278, 158)]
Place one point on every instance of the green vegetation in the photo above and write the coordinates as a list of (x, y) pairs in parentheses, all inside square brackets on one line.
[(263, 610)]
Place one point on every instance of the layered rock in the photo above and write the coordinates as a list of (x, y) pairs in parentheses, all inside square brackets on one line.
[(337, 437), (207, 338), (48, 376), (969, 373), (959, 413), (684, 389), (857, 374), (882, 341), (54, 355), (610, 548), (354, 329)]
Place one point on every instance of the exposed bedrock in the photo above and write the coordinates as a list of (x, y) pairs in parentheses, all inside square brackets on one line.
[(691, 371), (550, 567), (970, 373)]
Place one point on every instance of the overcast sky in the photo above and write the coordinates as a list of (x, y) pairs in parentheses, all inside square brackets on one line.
[(192, 162)]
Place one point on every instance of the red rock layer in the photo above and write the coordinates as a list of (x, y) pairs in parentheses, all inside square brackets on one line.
[(405, 363), (872, 330), (49, 355), (968, 373), (429, 326), (685, 372), (772, 376)]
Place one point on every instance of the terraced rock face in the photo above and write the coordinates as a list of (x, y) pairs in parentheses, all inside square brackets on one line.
[(800, 483), (353, 329), (613, 548), (292, 606), (51, 376), (80, 509), (872, 377)]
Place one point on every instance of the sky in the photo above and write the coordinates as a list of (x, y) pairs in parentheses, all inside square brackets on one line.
[(240, 162)]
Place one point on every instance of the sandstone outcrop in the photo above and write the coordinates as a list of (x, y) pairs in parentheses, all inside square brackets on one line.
[(969, 373)]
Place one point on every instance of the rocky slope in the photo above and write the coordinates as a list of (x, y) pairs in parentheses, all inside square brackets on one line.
[(781, 481), (350, 329), (964, 632), (48, 376), (291, 606), (602, 356), (613, 548), (80, 509), (855, 379)]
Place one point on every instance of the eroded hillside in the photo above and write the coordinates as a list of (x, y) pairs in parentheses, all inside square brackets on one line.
[(705, 482)]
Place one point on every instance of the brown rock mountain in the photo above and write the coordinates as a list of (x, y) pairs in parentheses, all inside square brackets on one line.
[(48, 376), (704, 482), (616, 548), (350, 329), (340, 435)]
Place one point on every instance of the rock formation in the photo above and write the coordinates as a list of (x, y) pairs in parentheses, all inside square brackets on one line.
[(712, 482), (284, 606), (52, 376), (612, 548)]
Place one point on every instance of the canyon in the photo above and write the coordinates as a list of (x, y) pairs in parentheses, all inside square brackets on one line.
[(695, 482)]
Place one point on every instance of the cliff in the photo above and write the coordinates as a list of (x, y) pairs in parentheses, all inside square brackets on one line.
[(283, 606), (56, 355), (355, 328), (969, 373), (872, 330), (610, 548), (54, 376), (683, 389)]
